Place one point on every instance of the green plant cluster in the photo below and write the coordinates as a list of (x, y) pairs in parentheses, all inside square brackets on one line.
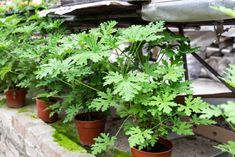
[(110, 67), (226, 111), (23, 43), (22, 6), (136, 70)]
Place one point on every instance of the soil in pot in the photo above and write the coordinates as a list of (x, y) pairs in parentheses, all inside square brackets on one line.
[(89, 126), (162, 149), (43, 112), (16, 98)]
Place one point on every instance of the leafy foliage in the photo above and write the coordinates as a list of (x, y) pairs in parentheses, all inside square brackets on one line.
[(104, 102), (23, 40), (195, 105), (182, 128), (139, 137), (77, 68), (229, 147), (127, 87), (226, 111), (145, 91), (102, 143), (230, 75), (78, 63)]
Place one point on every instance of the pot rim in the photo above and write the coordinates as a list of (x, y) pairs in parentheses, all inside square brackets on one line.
[(90, 121), (15, 89), (48, 102), (169, 150)]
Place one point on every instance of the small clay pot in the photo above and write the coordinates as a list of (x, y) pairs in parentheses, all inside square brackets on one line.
[(165, 149), (16, 98), (88, 130), (44, 113)]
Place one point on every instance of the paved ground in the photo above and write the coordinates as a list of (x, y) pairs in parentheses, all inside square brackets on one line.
[(190, 146), (194, 146)]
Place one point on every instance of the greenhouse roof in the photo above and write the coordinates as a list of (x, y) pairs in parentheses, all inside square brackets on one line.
[(174, 11)]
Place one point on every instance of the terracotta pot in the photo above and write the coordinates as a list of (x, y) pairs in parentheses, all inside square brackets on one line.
[(164, 145), (88, 130), (16, 98), (44, 113)]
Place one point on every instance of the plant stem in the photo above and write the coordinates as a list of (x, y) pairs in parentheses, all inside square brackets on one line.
[(87, 86), (138, 52), (163, 121), (120, 128), (14, 72), (65, 82), (126, 56), (79, 83)]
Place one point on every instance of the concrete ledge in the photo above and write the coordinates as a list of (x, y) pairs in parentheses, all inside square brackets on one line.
[(22, 135)]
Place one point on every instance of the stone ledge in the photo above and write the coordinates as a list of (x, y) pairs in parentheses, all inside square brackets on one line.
[(22, 135)]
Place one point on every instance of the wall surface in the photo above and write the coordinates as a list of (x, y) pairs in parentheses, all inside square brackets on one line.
[(22, 135)]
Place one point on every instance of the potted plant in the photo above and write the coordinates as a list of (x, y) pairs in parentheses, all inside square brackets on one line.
[(143, 90), (34, 36), (80, 62), (226, 111), (43, 104), (49, 88), (23, 40), (16, 32), (10, 71)]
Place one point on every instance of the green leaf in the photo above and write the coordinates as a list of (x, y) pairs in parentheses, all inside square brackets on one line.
[(76, 72), (126, 86), (145, 33), (172, 73), (91, 50), (107, 30), (229, 110), (197, 120), (196, 105), (104, 102), (182, 128), (53, 68), (102, 143), (137, 110), (229, 147), (138, 137), (72, 111), (164, 102), (26, 29), (211, 111), (230, 75), (4, 70)]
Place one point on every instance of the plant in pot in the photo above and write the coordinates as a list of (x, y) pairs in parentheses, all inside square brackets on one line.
[(21, 39), (34, 38), (49, 88), (143, 87), (11, 67), (80, 62), (226, 111)]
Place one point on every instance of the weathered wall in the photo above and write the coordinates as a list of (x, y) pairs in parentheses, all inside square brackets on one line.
[(21, 135)]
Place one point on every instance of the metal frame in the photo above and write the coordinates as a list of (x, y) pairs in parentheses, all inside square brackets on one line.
[(207, 66)]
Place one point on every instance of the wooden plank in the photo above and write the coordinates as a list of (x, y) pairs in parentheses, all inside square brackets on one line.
[(181, 98), (215, 133)]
